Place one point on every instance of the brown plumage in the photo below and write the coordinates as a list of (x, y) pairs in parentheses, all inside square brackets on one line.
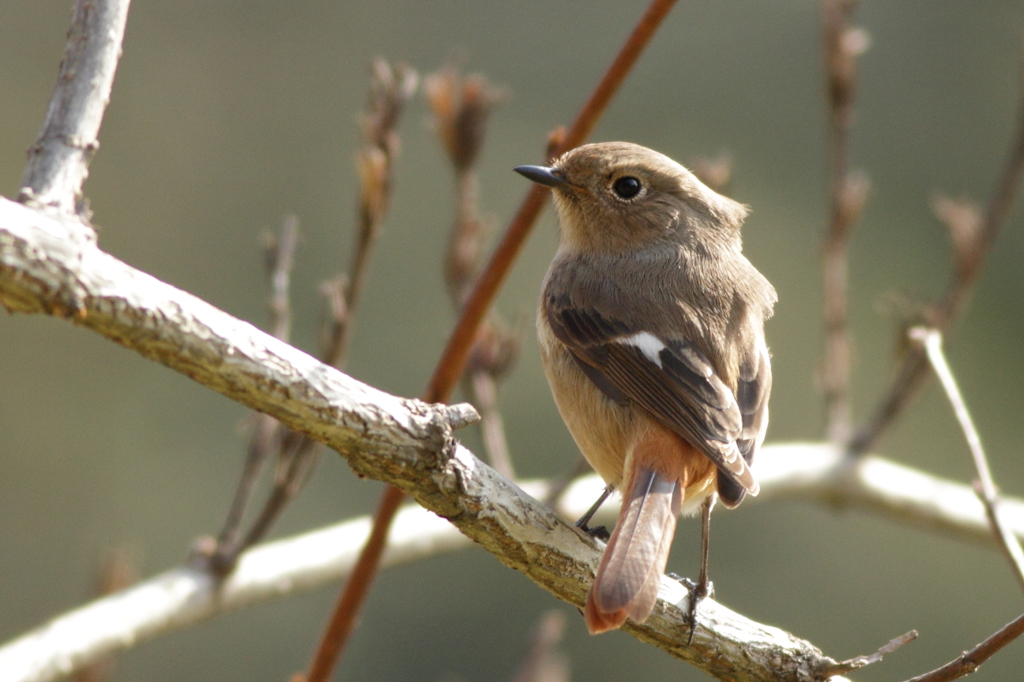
[(651, 333)]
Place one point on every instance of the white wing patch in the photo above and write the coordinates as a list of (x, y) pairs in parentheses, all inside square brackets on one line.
[(649, 344)]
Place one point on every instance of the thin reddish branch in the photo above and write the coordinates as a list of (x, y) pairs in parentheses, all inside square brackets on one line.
[(970, 661), (339, 629), (456, 353), (453, 359)]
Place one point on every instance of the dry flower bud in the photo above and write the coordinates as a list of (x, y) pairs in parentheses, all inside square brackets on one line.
[(962, 218), (461, 109)]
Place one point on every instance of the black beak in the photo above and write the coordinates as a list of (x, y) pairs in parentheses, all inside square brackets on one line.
[(543, 175)]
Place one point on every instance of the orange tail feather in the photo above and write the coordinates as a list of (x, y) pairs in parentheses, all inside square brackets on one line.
[(627, 579)]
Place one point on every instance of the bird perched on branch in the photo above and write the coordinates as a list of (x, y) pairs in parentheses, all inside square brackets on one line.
[(651, 328)]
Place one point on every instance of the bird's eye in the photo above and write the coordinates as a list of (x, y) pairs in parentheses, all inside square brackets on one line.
[(627, 187)]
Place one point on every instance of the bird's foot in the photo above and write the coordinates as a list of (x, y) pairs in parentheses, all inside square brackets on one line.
[(598, 532), (699, 589)]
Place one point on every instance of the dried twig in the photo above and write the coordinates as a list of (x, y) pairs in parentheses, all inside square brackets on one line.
[(970, 661), (931, 341), (279, 256), (848, 192), (390, 90), (297, 455), (971, 247), (858, 662), (58, 161), (482, 385), (456, 352)]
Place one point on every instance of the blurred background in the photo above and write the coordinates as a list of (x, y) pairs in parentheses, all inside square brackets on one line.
[(226, 116)]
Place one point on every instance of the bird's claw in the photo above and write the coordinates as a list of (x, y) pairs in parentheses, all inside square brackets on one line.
[(598, 532), (698, 591)]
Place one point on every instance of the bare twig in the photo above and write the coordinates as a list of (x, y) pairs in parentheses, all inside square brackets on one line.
[(483, 390), (858, 662), (970, 661), (390, 90), (456, 352), (985, 486), (822, 474), (333, 324), (298, 456), (970, 264), (342, 621), (843, 43), (279, 256), (58, 161)]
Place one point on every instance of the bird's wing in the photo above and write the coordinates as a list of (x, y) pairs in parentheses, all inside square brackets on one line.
[(753, 389), (669, 377)]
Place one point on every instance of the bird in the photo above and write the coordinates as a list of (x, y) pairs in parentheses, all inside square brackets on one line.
[(651, 332)]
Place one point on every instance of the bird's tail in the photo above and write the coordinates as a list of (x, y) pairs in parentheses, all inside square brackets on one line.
[(627, 579)]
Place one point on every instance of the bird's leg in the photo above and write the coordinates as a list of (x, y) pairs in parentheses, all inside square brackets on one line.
[(703, 587), (600, 532)]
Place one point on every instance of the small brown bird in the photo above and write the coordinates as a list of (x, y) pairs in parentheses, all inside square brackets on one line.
[(651, 327)]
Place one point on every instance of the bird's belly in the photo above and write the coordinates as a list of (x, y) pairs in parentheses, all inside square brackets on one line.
[(603, 429)]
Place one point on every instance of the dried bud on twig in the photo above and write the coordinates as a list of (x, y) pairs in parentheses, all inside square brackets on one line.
[(963, 219), (374, 179), (461, 108), (390, 89), (843, 44)]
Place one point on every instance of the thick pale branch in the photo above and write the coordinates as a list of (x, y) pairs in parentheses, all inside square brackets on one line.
[(58, 162), (822, 473)]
